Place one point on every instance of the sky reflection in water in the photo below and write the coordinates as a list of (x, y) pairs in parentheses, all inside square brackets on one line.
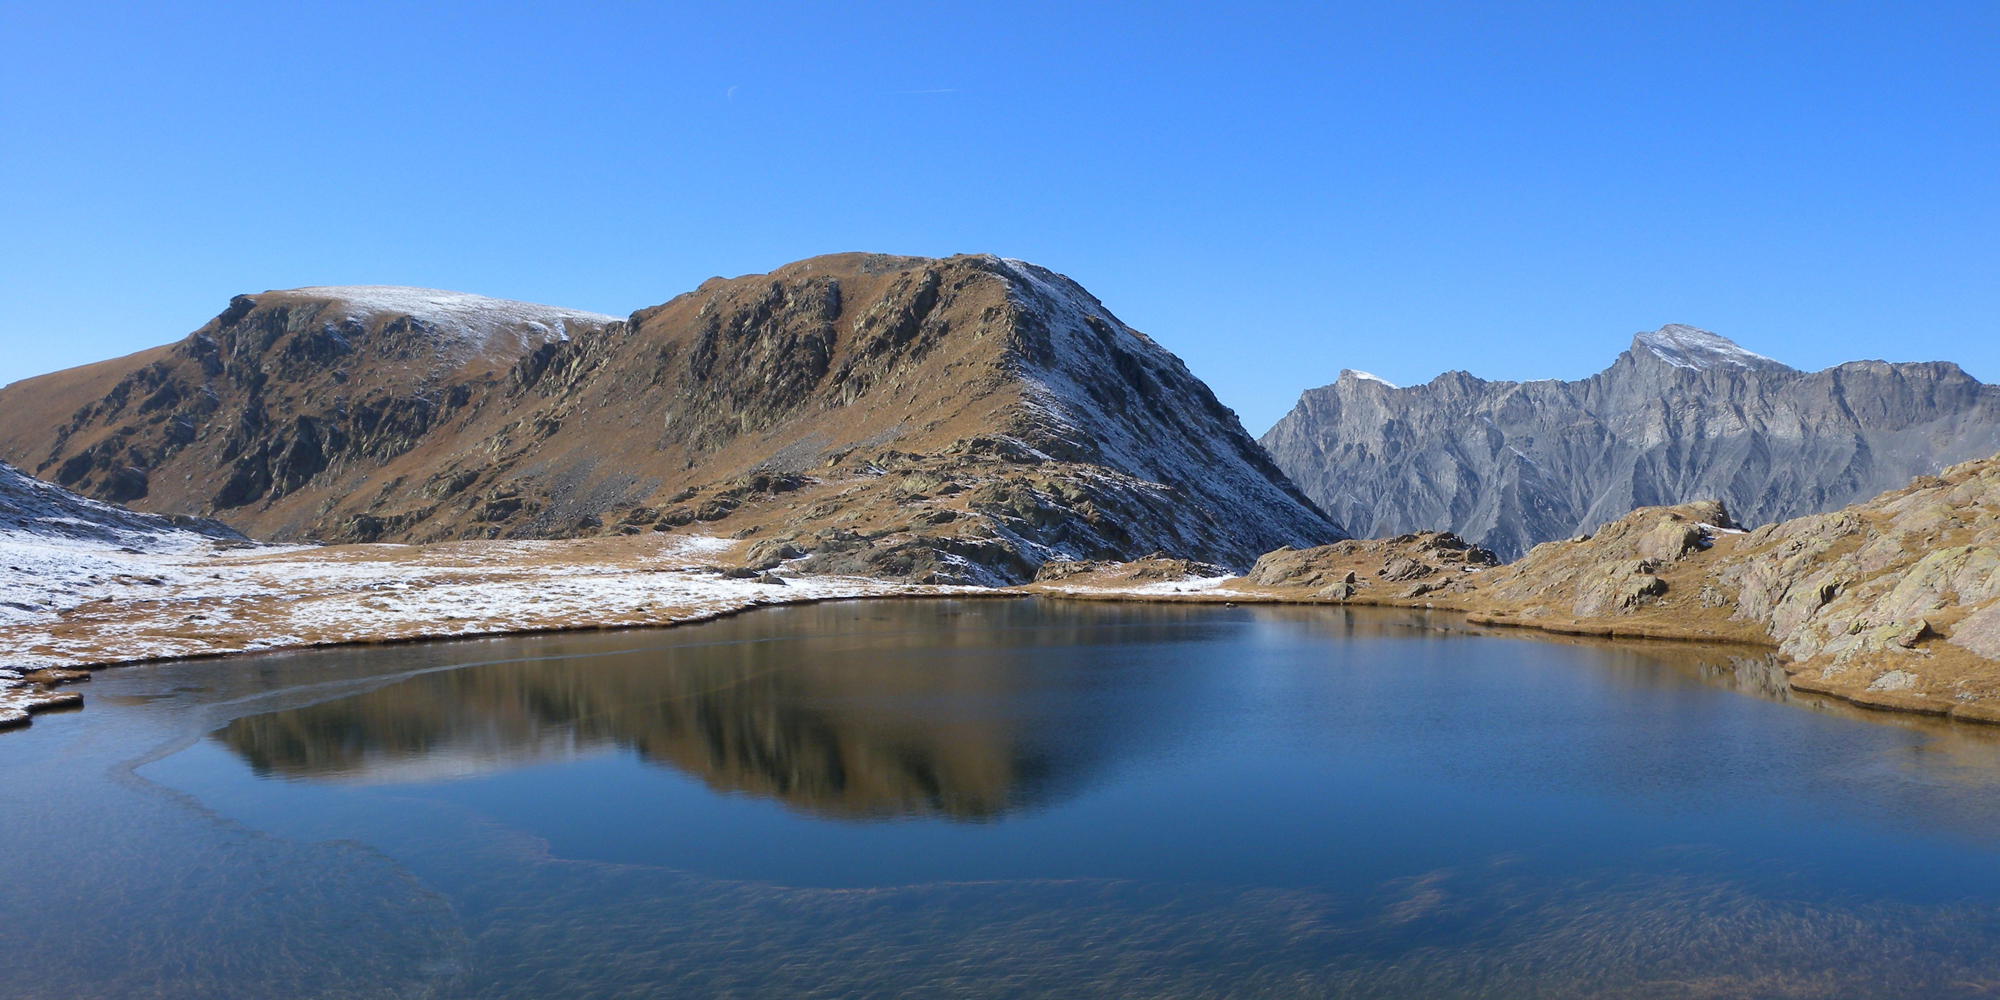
[(1008, 797)]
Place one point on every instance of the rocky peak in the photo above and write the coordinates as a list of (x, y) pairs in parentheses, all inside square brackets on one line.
[(1687, 347), (1684, 415), (1355, 376)]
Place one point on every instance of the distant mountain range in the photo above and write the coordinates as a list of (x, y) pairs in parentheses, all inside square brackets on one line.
[(1682, 415), (948, 420)]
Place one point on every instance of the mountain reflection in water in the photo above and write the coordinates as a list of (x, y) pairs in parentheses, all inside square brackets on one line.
[(858, 714), (999, 798), (849, 710)]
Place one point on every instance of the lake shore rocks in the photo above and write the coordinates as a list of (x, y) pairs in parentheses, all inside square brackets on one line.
[(1891, 604)]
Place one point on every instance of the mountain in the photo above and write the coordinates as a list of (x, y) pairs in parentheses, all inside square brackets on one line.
[(1682, 415), (949, 420)]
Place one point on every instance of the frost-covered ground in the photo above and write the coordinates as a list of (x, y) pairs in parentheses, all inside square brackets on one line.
[(1210, 586), (80, 602)]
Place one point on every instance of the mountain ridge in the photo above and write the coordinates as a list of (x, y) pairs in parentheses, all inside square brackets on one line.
[(1681, 415), (963, 419)]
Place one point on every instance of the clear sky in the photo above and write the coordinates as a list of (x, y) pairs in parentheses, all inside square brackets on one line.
[(1274, 192)]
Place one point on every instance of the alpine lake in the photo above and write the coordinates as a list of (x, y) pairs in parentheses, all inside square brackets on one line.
[(996, 797)]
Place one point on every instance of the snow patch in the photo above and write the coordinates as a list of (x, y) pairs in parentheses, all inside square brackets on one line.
[(471, 321), (1694, 349), (1198, 454), (1367, 377), (204, 601)]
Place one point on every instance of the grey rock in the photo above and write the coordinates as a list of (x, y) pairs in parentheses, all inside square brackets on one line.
[(1682, 415)]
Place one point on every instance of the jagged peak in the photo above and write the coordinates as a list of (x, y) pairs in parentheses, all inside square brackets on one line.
[(1357, 375), (1692, 348)]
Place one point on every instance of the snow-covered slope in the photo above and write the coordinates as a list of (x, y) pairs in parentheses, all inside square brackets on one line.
[(1688, 347), (54, 545), (30, 507)]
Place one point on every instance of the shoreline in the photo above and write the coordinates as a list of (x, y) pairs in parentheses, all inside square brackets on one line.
[(1884, 703), (1795, 678)]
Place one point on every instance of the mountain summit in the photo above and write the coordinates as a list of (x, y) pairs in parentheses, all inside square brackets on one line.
[(956, 420), (1683, 415), (1688, 347)]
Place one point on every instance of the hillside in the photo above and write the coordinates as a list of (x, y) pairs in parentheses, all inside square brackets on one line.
[(1893, 603), (957, 420), (1682, 415)]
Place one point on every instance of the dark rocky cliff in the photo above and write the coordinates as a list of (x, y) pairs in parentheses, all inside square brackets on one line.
[(1682, 415)]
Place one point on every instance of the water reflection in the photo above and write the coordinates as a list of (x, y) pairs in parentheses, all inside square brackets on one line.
[(1201, 801), (860, 710)]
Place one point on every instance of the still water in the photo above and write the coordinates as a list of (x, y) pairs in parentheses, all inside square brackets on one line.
[(996, 798)]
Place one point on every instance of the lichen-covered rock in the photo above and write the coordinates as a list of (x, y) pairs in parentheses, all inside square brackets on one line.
[(1979, 632)]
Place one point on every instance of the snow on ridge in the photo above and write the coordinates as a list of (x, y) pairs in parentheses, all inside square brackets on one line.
[(1696, 349), (57, 548), (1368, 377), (460, 316), (1202, 458), (33, 509)]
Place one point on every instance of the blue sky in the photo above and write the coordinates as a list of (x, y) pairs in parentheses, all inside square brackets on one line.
[(1274, 192)]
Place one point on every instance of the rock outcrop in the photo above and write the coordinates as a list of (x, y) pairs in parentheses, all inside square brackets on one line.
[(1426, 564), (957, 420), (1682, 415), (1893, 603), (1890, 604)]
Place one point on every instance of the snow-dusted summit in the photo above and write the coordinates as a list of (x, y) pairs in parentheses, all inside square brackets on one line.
[(469, 321), (1688, 347)]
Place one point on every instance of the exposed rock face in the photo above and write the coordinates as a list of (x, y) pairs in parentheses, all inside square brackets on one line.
[(1683, 415), (1893, 603), (959, 420), (1406, 567)]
